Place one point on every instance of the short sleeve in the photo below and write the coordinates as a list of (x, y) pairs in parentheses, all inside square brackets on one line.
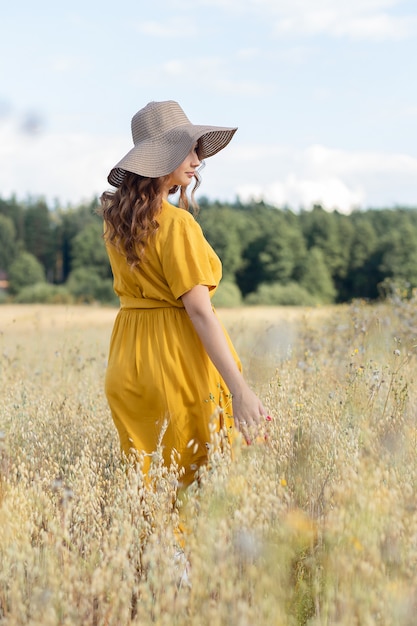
[(187, 258)]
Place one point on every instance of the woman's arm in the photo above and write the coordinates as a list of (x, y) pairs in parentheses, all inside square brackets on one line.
[(247, 408)]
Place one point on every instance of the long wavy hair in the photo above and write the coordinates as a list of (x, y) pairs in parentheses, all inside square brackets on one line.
[(131, 212)]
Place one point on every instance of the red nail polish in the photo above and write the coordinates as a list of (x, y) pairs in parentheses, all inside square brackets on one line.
[(268, 418)]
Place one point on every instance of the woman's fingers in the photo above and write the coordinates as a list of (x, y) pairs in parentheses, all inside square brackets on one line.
[(250, 416), (250, 422)]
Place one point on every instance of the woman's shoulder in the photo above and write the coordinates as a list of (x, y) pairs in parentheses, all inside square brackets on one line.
[(171, 214)]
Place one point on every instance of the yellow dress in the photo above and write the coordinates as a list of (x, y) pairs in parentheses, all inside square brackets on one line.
[(160, 381)]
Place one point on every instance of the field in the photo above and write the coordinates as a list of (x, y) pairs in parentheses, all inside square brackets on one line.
[(315, 525)]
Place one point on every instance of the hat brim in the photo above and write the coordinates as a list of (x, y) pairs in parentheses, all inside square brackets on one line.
[(160, 156)]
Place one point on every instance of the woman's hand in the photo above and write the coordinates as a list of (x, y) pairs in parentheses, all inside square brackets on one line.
[(248, 410), (249, 413)]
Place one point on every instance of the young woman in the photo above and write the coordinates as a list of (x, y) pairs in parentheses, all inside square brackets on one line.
[(172, 368)]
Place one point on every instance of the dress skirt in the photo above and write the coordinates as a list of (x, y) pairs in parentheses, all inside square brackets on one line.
[(162, 388)]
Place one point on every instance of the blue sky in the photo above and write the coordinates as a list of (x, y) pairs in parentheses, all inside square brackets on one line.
[(323, 92)]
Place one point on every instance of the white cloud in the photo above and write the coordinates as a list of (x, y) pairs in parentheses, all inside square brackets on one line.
[(297, 192), (373, 20), (318, 174), (283, 7), (172, 28), (70, 167), (323, 159), (353, 24)]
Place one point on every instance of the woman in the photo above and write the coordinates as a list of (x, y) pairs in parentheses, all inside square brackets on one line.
[(172, 369)]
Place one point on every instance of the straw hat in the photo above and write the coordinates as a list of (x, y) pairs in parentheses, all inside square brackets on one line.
[(163, 136)]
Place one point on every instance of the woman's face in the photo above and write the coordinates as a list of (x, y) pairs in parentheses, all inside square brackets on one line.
[(185, 172)]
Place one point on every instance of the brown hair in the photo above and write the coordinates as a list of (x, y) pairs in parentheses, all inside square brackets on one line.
[(130, 213)]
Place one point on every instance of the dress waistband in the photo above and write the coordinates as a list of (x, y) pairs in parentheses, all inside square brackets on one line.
[(147, 303)]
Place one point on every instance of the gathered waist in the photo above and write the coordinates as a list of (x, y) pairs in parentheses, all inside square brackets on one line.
[(127, 302)]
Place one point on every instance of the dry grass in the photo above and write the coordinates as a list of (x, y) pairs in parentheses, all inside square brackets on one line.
[(317, 525)]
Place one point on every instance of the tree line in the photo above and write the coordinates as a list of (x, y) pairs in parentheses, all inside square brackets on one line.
[(270, 255)]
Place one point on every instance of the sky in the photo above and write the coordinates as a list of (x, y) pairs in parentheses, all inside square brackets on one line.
[(323, 92)]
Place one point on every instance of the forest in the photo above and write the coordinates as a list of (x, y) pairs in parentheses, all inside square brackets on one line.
[(270, 255)]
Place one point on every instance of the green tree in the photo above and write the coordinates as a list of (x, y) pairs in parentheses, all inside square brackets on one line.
[(222, 227), (275, 294), (363, 274), (398, 250), (227, 295), (316, 278), (7, 242), (25, 270), (86, 285), (328, 232), (88, 250), (276, 256), (39, 235), (70, 222), (345, 234), (14, 210), (44, 293)]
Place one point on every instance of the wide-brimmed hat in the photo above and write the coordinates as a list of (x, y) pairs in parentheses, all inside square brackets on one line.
[(163, 136)]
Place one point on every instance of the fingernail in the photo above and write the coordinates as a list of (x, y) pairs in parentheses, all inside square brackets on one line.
[(268, 418)]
